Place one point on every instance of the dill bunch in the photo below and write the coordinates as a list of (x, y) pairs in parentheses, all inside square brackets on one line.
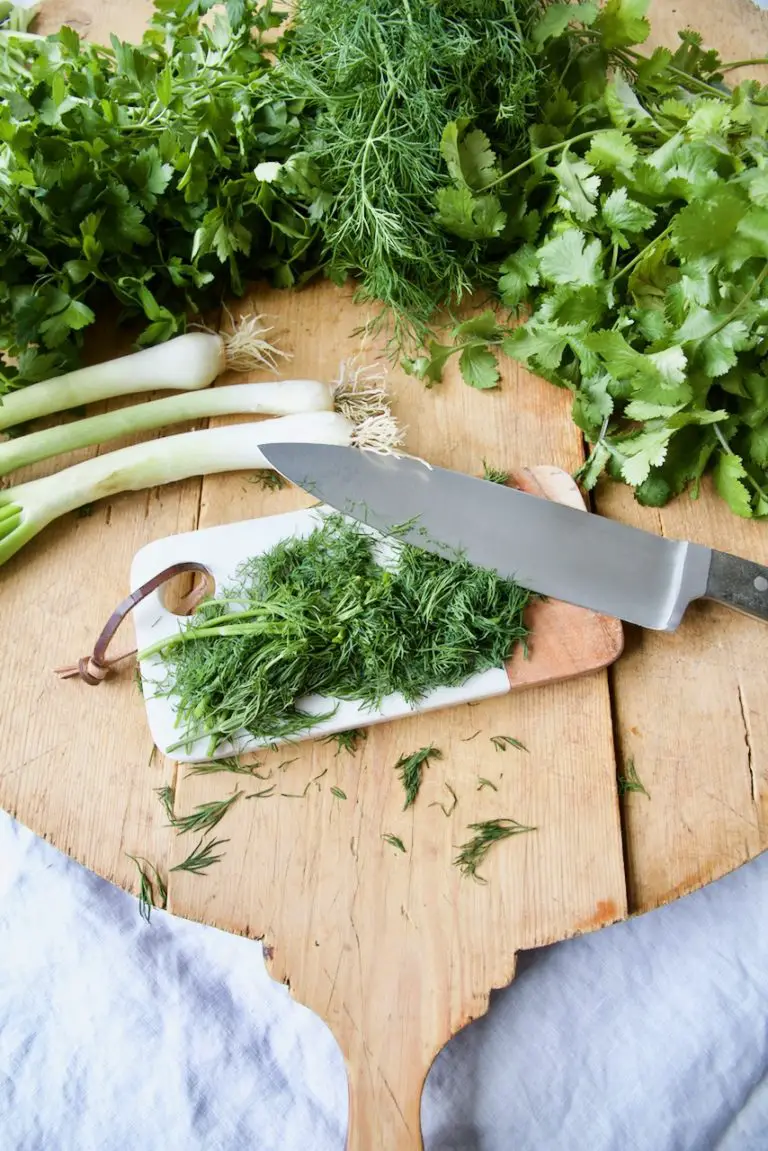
[(383, 79), (320, 615)]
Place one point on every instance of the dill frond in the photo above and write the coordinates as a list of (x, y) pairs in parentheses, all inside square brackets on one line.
[(630, 780), (502, 742), (447, 811), (490, 831), (167, 797), (201, 857), (411, 770), (348, 741), (494, 475), (394, 840), (206, 815), (270, 481)]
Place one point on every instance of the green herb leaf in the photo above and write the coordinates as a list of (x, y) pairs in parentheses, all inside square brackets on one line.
[(394, 840), (623, 23), (479, 367), (729, 476), (472, 854), (411, 769)]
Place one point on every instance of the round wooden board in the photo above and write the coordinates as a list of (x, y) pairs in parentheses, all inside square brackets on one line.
[(78, 766)]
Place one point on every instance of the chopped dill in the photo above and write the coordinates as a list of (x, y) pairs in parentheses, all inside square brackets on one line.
[(268, 480), (481, 783), (338, 793), (394, 840), (321, 616), (286, 763), (494, 475), (147, 889), (490, 831), (348, 741), (201, 857), (502, 742), (167, 797), (265, 793), (630, 780), (447, 810), (232, 764), (469, 738), (206, 815), (411, 769)]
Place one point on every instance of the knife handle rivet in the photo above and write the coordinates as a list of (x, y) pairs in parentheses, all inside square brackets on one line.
[(761, 583)]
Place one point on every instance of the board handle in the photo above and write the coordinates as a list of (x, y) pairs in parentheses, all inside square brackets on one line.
[(384, 1112)]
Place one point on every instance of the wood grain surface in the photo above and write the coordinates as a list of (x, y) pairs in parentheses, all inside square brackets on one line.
[(398, 951)]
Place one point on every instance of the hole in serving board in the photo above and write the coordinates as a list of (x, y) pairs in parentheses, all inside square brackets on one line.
[(181, 594)]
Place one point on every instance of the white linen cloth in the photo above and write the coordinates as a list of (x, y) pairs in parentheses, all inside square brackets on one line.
[(119, 1036)]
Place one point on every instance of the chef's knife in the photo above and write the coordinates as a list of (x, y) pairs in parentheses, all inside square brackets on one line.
[(545, 546)]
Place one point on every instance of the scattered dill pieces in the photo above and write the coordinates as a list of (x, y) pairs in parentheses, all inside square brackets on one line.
[(348, 741), (265, 793), (167, 797), (502, 742), (206, 815), (494, 475), (447, 810), (269, 481), (147, 889), (137, 681), (320, 615), (286, 763), (411, 769), (201, 857), (481, 783), (232, 764), (394, 840), (630, 780), (472, 853), (474, 735), (338, 793)]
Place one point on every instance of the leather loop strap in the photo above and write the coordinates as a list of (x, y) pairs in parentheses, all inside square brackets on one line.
[(95, 668)]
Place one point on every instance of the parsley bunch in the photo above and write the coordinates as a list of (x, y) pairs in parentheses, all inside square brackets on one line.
[(136, 173), (637, 232)]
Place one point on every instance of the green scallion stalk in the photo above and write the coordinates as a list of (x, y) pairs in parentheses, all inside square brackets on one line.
[(287, 397), (27, 508)]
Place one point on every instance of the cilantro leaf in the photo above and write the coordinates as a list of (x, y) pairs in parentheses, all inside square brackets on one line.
[(519, 272), (557, 17), (623, 23), (623, 215), (467, 216), (612, 151), (479, 367), (579, 186), (729, 475), (468, 155), (570, 258)]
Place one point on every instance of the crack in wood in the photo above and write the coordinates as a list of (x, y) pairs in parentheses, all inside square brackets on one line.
[(748, 742)]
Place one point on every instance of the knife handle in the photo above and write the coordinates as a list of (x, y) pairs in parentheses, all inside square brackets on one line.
[(738, 583)]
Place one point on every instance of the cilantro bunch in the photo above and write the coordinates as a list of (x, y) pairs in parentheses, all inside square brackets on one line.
[(636, 227), (136, 173)]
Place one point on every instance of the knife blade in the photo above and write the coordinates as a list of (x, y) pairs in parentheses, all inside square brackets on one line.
[(552, 549)]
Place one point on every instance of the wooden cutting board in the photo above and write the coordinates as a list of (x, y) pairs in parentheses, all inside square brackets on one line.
[(398, 956)]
